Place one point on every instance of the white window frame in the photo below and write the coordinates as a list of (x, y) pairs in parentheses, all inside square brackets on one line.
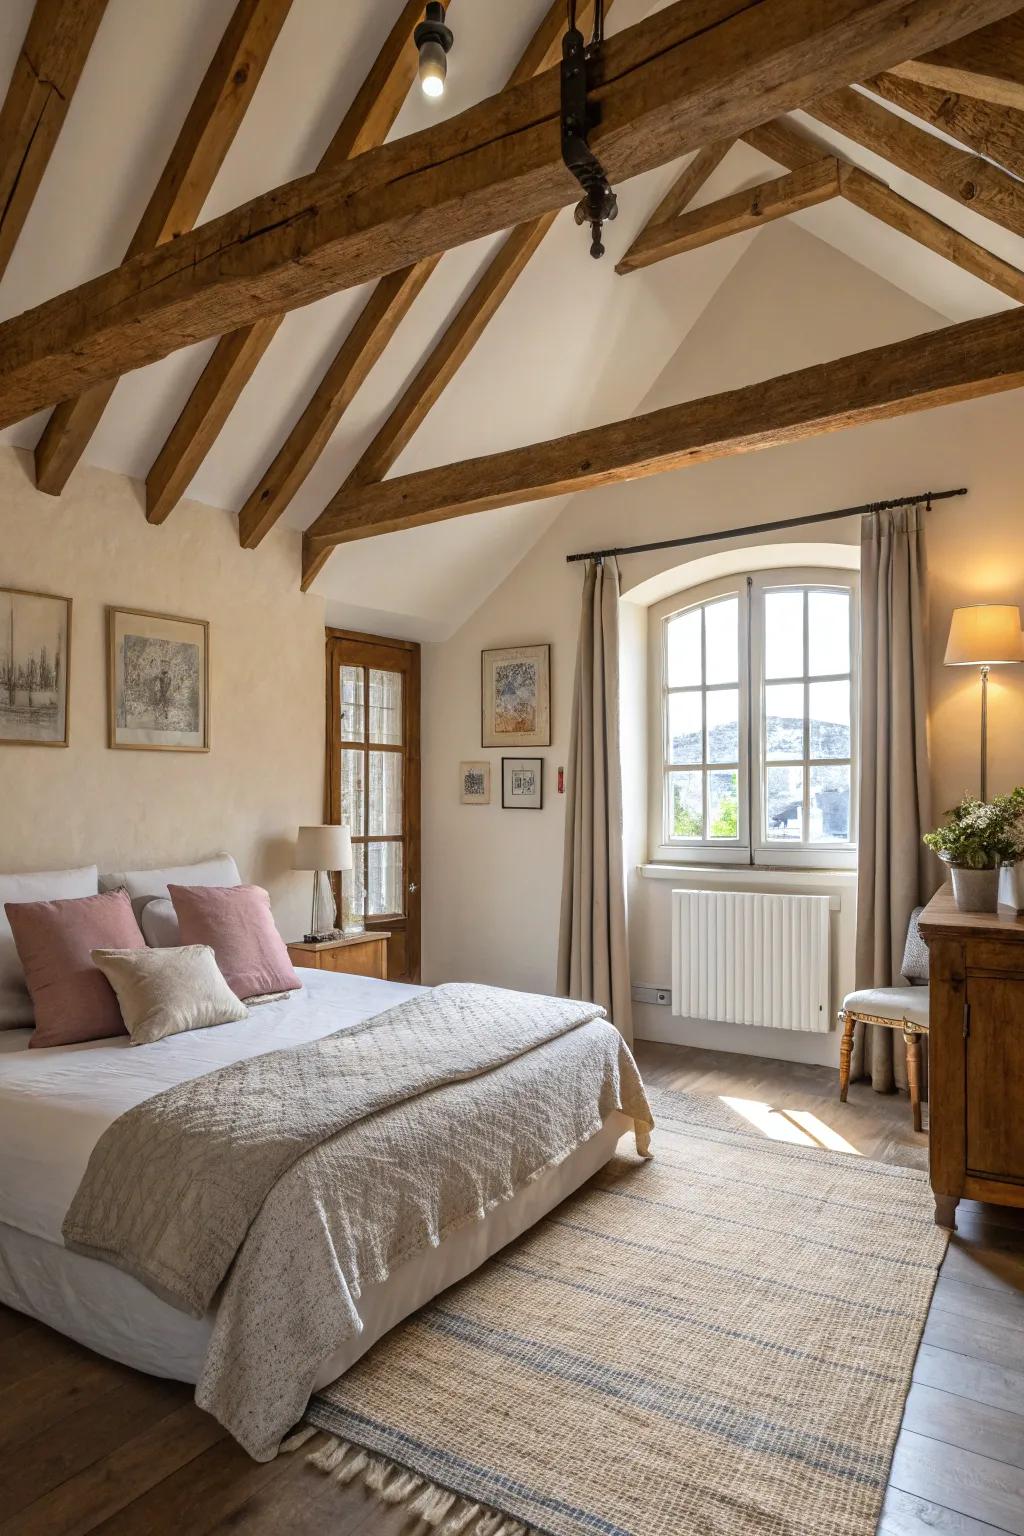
[(752, 847)]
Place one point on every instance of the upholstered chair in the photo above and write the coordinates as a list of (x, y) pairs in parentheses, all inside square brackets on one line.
[(904, 1008)]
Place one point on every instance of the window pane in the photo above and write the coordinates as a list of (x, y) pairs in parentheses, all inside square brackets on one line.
[(385, 794), (685, 725), (784, 634), (682, 649), (686, 804), (721, 641), (352, 719), (830, 719), (830, 805), (352, 760), (353, 887), (384, 883), (386, 707), (784, 810), (723, 714), (828, 632), (784, 720), (724, 804)]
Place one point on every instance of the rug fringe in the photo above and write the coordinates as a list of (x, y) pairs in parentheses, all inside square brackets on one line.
[(446, 1513)]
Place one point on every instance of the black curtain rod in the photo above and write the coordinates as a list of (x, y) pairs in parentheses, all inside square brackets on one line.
[(786, 522)]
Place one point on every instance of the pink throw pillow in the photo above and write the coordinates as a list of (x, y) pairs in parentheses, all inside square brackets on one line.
[(237, 923), (71, 998)]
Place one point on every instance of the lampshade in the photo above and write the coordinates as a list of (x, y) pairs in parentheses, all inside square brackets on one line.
[(323, 848), (985, 635)]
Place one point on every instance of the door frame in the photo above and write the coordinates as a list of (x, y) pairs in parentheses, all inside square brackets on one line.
[(358, 649)]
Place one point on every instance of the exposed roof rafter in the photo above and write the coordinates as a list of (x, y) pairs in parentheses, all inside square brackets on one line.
[(989, 64), (995, 132)]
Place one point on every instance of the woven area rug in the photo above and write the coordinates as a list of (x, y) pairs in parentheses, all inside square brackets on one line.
[(718, 1342)]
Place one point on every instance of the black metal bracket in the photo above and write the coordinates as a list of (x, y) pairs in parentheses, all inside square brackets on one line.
[(579, 116)]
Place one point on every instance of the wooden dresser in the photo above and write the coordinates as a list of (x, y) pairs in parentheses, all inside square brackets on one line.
[(362, 954), (975, 1055)]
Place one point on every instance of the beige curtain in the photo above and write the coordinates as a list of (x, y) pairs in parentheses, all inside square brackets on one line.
[(895, 803), (593, 950)]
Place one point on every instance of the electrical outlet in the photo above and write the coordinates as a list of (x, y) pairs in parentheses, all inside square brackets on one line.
[(646, 994)]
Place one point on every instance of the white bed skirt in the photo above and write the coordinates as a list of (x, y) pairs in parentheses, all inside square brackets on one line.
[(113, 1314)]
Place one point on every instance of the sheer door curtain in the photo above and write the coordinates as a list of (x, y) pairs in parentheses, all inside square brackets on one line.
[(895, 873), (593, 949)]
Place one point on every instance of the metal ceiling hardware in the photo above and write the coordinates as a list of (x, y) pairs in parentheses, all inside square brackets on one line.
[(599, 203)]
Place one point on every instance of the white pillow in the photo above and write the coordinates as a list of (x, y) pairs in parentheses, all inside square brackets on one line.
[(149, 885), (164, 992), (159, 923), (46, 885)]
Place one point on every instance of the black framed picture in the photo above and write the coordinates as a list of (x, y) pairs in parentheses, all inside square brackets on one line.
[(522, 783)]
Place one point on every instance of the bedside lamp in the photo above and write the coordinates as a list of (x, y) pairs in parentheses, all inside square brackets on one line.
[(322, 849), (986, 635)]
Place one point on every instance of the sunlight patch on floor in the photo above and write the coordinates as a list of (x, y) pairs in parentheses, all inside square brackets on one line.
[(798, 1126)]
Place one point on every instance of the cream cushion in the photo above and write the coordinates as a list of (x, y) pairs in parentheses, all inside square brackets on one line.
[(896, 1003), (45, 885), (168, 991)]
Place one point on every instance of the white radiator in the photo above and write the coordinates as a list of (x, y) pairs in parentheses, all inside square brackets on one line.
[(751, 959)]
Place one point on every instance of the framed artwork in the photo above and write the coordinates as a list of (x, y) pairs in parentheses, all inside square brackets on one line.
[(516, 697), (159, 682), (35, 667), (522, 783), (474, 783)]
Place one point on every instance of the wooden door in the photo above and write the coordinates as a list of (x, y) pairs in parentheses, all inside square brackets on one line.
[(373, 736), (995, 1076)]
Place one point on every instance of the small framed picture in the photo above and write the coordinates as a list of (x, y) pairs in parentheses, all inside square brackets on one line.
[(516, 697), (522, 783), (159, 682), (474, 783), (35, 665)]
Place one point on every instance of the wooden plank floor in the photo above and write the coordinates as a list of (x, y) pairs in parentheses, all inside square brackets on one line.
[(87, 1446)]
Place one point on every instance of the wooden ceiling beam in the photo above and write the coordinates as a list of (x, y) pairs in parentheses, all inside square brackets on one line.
[(45, 77), (695, 71), (814, 183), (682, 191), (234, 360), (995, 132), (205, 138), (959, 362), (783, 142), (391, 300), (989, 64), (967, 179)]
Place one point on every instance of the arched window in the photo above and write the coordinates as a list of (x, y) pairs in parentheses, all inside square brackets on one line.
[(753, 721)]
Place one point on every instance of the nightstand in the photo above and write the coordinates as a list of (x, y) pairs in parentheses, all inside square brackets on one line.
[(362, 954)]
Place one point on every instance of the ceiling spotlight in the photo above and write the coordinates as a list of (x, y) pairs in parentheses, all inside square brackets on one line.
[(433, 39)]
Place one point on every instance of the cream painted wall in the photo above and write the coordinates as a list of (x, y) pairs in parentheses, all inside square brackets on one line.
[(264, 774), (492, 877)]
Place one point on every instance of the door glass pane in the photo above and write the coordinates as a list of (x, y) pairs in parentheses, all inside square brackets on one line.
[(784, 634), (784, 720), (723, 715), (384, 883), (828, 632), (353, 887), (682, 648), (723, 804), (829, 710), (685, 725), (352, 716), (385, 794), (686, 804), (830, 805), (386, 707), (722, 641), (352, 761), (784, 808)]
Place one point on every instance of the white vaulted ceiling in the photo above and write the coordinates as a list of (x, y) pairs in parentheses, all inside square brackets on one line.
[(572, 346)]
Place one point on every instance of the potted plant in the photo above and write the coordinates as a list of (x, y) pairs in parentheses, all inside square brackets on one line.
[(1011, 876), (975, 840)]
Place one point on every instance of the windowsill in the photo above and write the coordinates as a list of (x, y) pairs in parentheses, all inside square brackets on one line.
[(728, 873)]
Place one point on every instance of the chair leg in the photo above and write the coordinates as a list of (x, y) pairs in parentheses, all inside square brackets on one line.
[(845, 1054), (913, 1043)]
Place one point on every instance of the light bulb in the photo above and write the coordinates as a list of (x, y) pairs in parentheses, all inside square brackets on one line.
[(433, 69)]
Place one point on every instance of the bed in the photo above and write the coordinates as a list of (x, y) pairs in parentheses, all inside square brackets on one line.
[(56, 1105)]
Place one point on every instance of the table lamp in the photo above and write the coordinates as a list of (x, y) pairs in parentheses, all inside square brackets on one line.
[(322, 849), (985, 635)]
